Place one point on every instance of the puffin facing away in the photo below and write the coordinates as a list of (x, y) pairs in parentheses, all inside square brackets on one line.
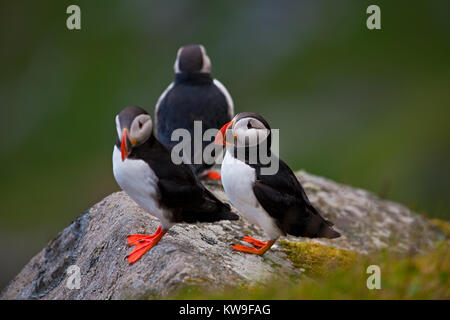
[(172, 193), (275, 202), (193, 96)]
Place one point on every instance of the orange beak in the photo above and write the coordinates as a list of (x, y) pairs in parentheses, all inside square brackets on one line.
[(124, 145), (221, 136)]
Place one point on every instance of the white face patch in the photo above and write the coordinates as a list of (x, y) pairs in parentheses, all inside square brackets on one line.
[(176, 67), (206, 68), (141, 128), (118, 128), (250, 132)]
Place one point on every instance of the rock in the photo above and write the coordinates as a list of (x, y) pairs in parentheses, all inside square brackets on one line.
[(201, 254)]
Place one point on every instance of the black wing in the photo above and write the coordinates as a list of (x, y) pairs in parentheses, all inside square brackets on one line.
[(284, 199), (180, 190)]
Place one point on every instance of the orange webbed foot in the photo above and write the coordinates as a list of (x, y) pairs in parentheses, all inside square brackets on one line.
[(134, 239), (254, 242), (143, 243), (261, 245), (213, 175), (239, 247)]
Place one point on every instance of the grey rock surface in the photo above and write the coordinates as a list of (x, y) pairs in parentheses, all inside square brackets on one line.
[(96, 243)]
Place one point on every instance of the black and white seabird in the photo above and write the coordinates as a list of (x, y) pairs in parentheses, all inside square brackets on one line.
[(275, 202), (193, 96), (172, 193)]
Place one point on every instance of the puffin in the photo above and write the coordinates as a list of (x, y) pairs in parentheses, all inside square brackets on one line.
[(143, 168), (275, 201), (194, 95)]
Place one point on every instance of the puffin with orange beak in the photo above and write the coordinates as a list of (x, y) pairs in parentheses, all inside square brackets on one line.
[(272, 199), (143, 168)]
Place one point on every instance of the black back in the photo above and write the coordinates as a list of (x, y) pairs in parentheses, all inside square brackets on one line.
[(284, 199), (281, 194), (179, 189), (194, 97)]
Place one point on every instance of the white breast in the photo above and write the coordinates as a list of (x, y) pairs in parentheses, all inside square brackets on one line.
[(238, 179), (139, 181)]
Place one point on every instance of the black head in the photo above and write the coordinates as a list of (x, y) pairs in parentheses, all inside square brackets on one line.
[(253, 120), (192, 59), (134, 127)]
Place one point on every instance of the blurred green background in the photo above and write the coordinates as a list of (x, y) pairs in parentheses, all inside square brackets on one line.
[(366, 108)]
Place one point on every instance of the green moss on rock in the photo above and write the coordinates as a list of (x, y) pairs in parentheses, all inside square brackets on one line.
[(316, 259), (421, 276)]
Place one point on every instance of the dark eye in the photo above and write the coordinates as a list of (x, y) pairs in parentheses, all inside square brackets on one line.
[(249, 125), (140, 125)]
